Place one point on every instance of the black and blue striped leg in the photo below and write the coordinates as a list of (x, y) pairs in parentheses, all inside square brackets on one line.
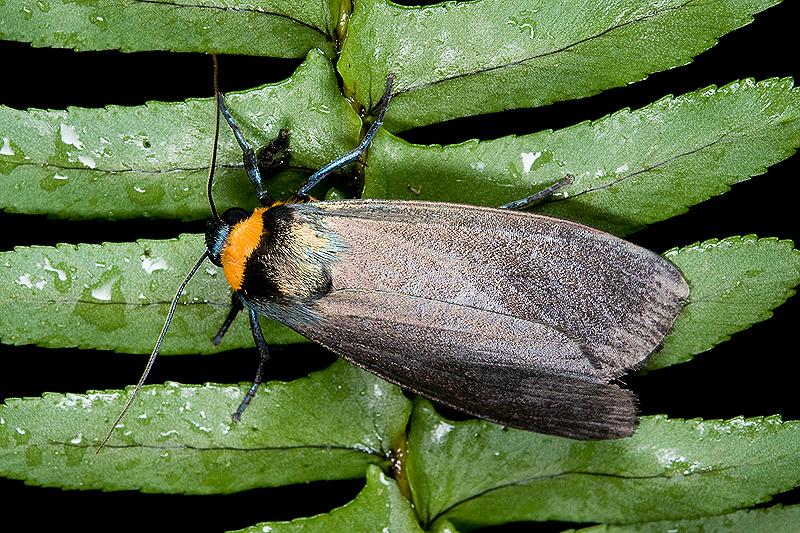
[(263, 353), (535, 198), (236, 306), (248, 155), (353, 156)]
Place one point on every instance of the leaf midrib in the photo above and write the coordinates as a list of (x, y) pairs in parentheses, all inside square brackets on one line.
[(234, 9), (649, 168), (341, 447), (564, 48), (224, 305), (532, 479)]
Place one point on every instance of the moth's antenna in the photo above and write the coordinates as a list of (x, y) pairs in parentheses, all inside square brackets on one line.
[(155, 351), (216, 138)]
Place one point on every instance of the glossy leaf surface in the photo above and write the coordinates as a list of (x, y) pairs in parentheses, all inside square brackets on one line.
[(258, 27), (477, 474), (459, 59), (180, 438), (631, 169), (153, 160)]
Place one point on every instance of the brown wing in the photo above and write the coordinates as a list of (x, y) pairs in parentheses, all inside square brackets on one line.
[(493, 366), (510, 316), (617, 299)]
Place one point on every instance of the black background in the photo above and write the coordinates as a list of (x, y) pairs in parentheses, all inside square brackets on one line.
[(750, 375)]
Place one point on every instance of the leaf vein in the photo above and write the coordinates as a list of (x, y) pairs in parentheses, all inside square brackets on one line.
[(646, 169), (662, 475), (564, 48), (179, 5), (338, 447)]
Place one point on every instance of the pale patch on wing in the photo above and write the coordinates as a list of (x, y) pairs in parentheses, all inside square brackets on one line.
[(617, 299)]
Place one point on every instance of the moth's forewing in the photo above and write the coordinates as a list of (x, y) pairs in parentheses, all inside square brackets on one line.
[(513, 317), (613, 298)]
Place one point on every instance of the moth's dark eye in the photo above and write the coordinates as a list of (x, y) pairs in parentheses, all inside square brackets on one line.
[(234, 215)]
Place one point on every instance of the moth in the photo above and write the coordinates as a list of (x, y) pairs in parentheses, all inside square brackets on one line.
[(513, 317)]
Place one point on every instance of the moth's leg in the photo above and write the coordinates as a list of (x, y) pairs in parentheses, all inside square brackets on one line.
[(263, 353), (248, 155), (352, 156), (541, 195), (236, 306)]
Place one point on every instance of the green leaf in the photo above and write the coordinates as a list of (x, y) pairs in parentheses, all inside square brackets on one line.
[(461, 59), (152, 160), (478, 474), (180, 438), (263, 27), (631, 168), (116, 297), (733, 283), (378, 507), (777, 518)]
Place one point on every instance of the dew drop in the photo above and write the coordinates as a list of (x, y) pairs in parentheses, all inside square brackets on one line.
[(151, 265), (62, 275), (25, 281), (21, 436), (6, 148), (99, 21), (70, 136), (87, 161), (34, 456), (528, 159), (103, 292)]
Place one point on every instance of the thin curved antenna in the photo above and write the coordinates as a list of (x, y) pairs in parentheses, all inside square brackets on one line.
[(155, 351), (216, 138)]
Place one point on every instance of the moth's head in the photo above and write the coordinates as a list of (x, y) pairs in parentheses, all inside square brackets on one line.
[(218, 231), (232, 239)]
